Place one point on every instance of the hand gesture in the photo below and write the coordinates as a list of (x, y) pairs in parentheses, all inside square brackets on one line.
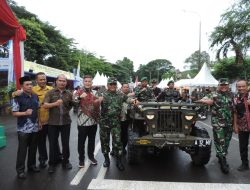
[(59, 102), (236, 130), (135, 102), (17, 93), (28, 112), (131, 94), (248, 101), (83, 95), (100, 99), (143, 89)]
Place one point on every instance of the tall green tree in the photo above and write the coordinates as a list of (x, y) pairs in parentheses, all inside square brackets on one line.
[(124, 70), (193, 63), (92, 64), (37, 43), (233, 31), (155, 69)]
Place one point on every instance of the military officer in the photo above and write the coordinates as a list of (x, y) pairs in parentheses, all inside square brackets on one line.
[(156, 90), (170, 94), (144, 93), (221, 103), (111, 108)]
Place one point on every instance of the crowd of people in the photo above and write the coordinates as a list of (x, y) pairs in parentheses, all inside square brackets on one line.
[(44, 112)]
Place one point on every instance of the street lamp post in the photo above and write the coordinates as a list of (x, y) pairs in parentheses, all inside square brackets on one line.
[(196, 13)]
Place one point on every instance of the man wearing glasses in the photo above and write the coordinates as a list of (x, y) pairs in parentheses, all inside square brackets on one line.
[(221, 103)]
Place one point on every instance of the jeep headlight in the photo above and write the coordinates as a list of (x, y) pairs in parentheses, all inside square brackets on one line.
[(150, 116), (189, 117)]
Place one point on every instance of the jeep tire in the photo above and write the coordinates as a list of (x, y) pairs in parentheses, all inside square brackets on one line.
[(201, 155)]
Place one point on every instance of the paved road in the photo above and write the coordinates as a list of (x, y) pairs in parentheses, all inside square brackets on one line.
[(153, 172)]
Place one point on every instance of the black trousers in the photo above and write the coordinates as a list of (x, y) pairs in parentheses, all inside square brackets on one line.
[(83, 133), (124, 133), (42, 147), (27, 142), (53, 133), (243, 143)]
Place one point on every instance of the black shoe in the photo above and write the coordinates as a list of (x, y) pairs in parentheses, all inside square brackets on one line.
[(67, 166), (106, 161), (223, 165), (93, 161), (81, 164), (59, 159), (112, 153), (21, 175), (119, 164), (42, 164), (243, 167), (51, 169), (33, 169)]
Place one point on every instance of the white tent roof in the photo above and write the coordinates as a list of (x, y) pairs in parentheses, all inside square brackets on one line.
[(99, 80), (183, 82), (164, 83), (204, 78)]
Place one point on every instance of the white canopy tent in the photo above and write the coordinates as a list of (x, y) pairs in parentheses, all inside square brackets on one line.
[(183, 82), (164, 83), (101, 80), (204, 78)]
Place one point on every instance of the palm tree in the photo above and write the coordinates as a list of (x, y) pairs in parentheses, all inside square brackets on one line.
[(233, 32)]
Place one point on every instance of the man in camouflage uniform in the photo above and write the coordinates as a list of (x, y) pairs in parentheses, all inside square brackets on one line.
[(221, 103), (170, 94), (156, 90), (144, 93), (111, 107)]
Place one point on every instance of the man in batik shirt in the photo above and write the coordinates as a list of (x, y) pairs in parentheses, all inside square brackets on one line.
[(242, 121), (88, 116)]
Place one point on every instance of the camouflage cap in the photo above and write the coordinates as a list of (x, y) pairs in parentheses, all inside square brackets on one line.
[(223, 81), (144, 78), (171, 81), (154, 81), (112, 80)]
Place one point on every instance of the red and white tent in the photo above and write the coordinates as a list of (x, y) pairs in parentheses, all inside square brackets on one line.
[(12, 30)]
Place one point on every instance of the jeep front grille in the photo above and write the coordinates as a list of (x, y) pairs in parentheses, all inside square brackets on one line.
[(169, 121)]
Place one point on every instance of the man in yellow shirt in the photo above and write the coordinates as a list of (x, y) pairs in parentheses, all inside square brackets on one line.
[(40, 90)]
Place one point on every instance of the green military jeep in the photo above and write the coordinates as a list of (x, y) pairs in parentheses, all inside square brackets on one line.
[(167, 125)]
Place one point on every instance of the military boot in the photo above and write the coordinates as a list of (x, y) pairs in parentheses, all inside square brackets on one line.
[(224, 165), (119, 164), (243, 167), (106, 161)]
